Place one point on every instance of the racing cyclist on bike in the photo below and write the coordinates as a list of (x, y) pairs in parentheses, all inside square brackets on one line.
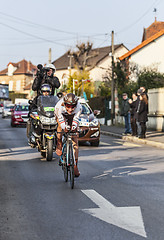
[(67, 111)]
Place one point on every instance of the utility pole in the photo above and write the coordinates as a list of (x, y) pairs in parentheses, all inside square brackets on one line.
[(49, 56), (113, 84)]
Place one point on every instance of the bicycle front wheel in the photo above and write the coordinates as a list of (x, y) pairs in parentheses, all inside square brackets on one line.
[(65, 168), (71, 162)]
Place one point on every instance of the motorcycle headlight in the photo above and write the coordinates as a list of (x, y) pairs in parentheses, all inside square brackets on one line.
[(94, 123), (53, 120), (46, 120)]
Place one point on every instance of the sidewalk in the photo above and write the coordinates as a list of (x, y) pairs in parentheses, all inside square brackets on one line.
[(153, 138)]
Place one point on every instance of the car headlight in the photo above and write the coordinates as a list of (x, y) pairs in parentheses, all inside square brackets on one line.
[(94, 123), (17, 116)]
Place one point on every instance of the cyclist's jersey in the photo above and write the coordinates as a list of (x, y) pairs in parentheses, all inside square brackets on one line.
[(65, 118)]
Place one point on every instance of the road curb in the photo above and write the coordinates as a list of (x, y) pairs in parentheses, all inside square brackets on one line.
[(135, 139)]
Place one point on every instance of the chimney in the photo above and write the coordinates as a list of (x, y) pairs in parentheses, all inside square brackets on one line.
[(28, 66)]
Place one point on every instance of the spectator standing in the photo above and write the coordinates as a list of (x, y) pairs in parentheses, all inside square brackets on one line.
[(139, 91), (144, 91), (141, 115), (132, 103), (125, 111)]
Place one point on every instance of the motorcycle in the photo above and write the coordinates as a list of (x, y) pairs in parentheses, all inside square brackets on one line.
[(42, 126)]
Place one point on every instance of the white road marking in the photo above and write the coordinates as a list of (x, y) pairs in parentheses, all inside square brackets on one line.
[(129, 218)]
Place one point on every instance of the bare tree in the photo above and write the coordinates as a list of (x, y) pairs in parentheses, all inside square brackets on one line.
[(83, 54)]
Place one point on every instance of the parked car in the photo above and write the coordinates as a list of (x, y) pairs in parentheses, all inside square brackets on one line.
[(19, 115), (6, 110), (89, 125), (1, 107)]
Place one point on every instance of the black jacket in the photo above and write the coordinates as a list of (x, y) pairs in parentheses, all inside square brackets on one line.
[(125, 107), (38, 82), (141, 111), (133, 108)]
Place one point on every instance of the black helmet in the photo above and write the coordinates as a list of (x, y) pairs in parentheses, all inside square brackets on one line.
[(70, 99), (45, 88)]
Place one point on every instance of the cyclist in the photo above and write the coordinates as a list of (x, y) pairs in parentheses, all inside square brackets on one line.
[(67, 111)]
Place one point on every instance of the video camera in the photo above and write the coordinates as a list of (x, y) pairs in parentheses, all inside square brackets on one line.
[(41, 71)]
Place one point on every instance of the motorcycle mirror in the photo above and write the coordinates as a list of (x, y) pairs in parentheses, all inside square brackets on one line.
[(30, 101), (97, 112)]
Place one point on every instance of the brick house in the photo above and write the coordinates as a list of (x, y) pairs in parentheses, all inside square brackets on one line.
[(19, 76)]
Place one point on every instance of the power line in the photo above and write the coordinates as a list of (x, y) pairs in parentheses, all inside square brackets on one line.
[(37, 24), (143, 15), (31, 35), (50, 28)]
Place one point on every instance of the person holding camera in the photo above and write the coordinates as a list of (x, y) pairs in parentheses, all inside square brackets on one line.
[(45, 75)]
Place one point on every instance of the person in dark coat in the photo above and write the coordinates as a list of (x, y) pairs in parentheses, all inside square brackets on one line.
[(141, 114), (125, 111), (139, 92), (132, 103), (45, 75)]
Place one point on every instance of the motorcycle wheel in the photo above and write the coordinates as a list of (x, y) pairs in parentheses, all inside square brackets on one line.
[(49, 152)]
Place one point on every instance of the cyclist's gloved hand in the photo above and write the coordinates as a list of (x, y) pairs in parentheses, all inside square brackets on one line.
[(67, 128)]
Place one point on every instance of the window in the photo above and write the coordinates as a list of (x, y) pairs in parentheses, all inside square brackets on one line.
[(18, 85), (10, 85)]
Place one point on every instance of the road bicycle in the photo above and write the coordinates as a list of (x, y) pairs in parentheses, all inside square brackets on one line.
[(67, 158)]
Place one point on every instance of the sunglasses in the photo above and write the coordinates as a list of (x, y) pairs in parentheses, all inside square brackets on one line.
[(45, 91), (70, 105)]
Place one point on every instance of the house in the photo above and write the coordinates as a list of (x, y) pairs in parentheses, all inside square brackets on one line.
[(96, 65), (154, 28), (19, 76), (150, 52)]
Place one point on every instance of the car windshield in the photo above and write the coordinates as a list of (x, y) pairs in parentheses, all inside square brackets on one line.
[(9, 107), (21, 108), (85, 109)]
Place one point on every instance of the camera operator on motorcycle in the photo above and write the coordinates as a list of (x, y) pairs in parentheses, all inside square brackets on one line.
[(45, 75), (67, 111)]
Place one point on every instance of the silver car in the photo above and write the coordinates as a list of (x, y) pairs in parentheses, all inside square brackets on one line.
[(7, 109)]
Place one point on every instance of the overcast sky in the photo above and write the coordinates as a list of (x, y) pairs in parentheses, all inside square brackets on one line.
[(29, 28)]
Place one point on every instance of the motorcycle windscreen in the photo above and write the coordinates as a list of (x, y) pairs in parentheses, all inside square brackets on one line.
[(46, 104)]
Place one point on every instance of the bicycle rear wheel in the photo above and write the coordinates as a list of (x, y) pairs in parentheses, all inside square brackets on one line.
[(71, 168)]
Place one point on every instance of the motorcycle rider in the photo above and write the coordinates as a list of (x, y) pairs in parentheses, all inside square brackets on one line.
[(45, 75), (67, 111), (45, 91)]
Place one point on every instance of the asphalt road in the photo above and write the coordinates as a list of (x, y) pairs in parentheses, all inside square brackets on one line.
[(119, 195)]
